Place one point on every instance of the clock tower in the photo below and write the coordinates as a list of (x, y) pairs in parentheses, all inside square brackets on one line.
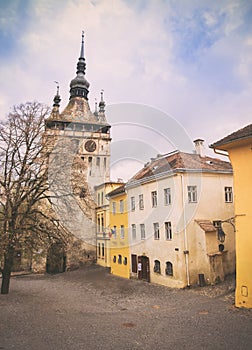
[(78, 147), (90, 131)]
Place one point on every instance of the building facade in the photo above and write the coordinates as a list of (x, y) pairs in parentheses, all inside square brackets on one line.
[(103, 231), (238, 147), (178, 207), (119, 244)]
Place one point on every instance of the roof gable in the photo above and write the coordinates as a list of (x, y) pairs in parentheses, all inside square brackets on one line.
[(240, 134)]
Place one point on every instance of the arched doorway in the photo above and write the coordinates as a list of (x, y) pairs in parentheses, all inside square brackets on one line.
[(56, 258)]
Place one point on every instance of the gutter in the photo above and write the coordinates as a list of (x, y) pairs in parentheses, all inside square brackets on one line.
[(186, 252), (220, 152)]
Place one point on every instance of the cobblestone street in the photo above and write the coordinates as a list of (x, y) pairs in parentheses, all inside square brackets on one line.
[(91, 309)]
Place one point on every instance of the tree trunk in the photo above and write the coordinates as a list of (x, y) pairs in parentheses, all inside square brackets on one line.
[(6, 272)]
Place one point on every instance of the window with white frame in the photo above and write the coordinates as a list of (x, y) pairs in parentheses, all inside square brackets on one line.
[(192, 194), (99, 201), (133, 231), (156, 230), (142, 230), (154, 198), (113, 208), (168, 230), (228, 194), (132, 204), (122, 232), (141, 202), (121, 206), (167, 196)]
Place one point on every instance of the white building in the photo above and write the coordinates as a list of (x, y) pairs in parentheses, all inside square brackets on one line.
[(176, 203)]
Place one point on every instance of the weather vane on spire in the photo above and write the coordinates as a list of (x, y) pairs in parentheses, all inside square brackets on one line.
[(57, 98), (82, 45), (57, 84)]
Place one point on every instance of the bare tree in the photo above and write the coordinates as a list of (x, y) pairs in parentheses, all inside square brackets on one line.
[(26, 216)]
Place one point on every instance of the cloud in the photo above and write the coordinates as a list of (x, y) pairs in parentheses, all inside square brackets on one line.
[(189, 58)]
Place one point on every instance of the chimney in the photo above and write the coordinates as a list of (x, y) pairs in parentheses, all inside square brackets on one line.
[(199, 147)]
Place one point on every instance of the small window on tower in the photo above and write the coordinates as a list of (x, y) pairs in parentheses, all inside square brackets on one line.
[(98, 161)]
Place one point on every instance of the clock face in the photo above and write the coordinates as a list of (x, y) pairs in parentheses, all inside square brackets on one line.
[(90, 146)]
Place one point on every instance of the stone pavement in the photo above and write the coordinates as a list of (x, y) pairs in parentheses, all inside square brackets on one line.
[(91, 309)]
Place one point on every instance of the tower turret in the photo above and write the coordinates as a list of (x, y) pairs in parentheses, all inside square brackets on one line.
[(57, 98)]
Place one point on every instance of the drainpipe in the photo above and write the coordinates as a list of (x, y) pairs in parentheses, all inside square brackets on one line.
[(186, 252)]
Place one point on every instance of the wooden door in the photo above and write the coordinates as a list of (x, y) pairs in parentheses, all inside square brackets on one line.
[(144, 268)]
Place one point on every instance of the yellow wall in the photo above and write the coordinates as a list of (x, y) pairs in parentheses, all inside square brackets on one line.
[(241, 159), (118, 245), (102, 233)]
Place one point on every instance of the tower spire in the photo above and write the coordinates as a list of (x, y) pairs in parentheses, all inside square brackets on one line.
[(79, 85), (102, 104), (81, 65), (82, 45), (57, 98), (96, 110)]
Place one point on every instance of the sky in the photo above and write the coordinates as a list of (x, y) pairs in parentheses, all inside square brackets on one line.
[(188, 59)]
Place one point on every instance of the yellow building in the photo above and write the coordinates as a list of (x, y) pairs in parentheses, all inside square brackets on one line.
[(238, 146), (119, 247), (102, 222)]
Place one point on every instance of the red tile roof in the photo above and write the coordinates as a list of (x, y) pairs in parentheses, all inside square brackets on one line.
[(180, 161), (243, 133)]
